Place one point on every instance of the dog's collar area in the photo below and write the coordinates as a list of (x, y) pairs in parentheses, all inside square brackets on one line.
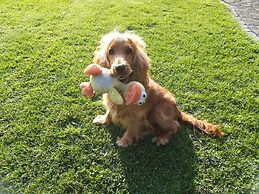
[(123, 79)]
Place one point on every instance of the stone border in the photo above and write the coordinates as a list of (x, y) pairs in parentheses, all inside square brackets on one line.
[(246, 12)]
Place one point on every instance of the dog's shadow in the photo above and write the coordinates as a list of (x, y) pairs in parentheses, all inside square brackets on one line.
[(163, 169)]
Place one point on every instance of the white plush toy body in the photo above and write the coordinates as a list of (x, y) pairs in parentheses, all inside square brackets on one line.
[(102, 82)]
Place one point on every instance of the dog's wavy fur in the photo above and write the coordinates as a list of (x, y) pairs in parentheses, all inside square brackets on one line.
[(159, 115)]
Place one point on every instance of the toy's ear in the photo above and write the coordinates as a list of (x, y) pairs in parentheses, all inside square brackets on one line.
[(93, 69), (133, 94)]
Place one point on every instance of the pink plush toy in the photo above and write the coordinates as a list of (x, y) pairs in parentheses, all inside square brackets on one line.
[(101, 82)]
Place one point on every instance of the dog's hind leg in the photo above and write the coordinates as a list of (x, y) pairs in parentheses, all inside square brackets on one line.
[(166, 117)]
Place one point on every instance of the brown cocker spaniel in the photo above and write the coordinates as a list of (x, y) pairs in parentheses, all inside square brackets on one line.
[(124, 54)]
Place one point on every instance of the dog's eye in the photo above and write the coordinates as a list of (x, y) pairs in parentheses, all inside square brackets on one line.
[(128, 51), (111, 51)]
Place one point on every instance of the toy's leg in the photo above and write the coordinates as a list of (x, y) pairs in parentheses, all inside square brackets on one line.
[(87, 89), (115, 97), (103, 119)]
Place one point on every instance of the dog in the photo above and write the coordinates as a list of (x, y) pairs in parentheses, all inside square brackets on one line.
[(124, 55)]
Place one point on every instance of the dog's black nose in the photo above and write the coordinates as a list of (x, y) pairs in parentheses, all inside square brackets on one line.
[(120, 68)]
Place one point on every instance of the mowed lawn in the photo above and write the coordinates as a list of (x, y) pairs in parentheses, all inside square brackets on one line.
[(198, 51)]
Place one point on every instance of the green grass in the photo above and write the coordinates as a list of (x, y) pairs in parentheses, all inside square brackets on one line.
[(198, 51)]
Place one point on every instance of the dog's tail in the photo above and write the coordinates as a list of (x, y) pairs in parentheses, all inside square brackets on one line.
[(208, 128)]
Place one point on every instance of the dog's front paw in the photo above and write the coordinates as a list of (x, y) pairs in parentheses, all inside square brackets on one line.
[(101, 120), (124, 142), (160, 140)]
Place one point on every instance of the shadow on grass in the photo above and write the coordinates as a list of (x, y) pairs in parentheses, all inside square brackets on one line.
[(165, 169)]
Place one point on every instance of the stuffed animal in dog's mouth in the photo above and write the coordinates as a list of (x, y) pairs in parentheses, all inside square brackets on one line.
[(101, 82)]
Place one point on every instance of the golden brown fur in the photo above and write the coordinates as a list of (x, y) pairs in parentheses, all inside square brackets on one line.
[(124, 54)]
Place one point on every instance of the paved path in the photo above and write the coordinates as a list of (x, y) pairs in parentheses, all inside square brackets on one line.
[(246, 13)]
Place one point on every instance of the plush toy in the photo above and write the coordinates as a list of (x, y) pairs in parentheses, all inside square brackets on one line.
[(101, 82)]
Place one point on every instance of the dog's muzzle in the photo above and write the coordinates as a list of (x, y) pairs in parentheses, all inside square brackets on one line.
[(120, 68)]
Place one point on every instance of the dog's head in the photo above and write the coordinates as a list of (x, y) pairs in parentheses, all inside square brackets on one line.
[(124, 54)]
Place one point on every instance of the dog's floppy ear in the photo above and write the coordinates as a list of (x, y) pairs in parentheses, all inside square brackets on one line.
[(100, 55), (100, 58), (140, 67), (137, 40), (140, 64)]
